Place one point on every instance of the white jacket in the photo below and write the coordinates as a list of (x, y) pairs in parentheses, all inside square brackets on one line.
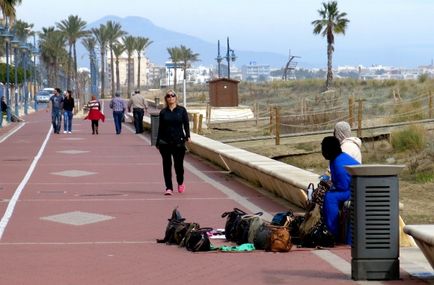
[(352, 147)]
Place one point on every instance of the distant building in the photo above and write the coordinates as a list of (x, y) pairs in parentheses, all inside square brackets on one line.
[(123, 70), (256, 72)]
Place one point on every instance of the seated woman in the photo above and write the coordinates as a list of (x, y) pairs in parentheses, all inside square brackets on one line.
[(340, 190), (349, 144)]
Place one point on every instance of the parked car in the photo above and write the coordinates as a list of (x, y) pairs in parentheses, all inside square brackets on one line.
[(43, 96)]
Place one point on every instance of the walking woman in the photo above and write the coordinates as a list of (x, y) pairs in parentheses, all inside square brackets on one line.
[(68, 107), (94, 107), (173, 132)]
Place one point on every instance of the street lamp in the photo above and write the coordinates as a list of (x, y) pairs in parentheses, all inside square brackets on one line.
[(15, 43), (230, 56), (24, 49), (34, 52), (4, 33)]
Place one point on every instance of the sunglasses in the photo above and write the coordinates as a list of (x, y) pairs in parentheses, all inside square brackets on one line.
[(170, 95)]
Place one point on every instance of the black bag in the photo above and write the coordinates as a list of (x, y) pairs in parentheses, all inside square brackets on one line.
[(294, 229), (283, 219), (242, 229), (199, 240), (174, 222), (232, 221), (190, 228), (262, 238), (319, 236)]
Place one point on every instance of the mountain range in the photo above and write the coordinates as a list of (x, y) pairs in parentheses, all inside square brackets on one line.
[(162, 39)]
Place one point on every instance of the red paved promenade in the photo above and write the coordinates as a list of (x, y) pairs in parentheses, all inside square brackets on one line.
[(86, 209)]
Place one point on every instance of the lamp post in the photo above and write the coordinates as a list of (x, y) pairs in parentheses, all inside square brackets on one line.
[(34, 52), (7, 37), (230, 56), (26, 93), (15, 43)]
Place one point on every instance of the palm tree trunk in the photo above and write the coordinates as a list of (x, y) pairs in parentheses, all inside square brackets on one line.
[(138, 74), (77, 89), (102, 74), (329, 66), (129, 77), (118, 83), (174, 79), (68, 82), (112, 72)]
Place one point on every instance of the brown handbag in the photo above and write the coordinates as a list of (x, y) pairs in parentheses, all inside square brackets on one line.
[(280, 239)]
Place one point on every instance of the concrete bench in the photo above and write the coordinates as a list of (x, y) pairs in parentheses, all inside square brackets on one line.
[(424, 238)]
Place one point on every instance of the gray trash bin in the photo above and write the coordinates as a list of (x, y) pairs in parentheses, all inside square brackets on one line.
[(375, 222), (155, 122)]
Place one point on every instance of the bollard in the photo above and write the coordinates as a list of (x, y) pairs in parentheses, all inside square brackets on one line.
[(157, 102), (155, 123), (375, 222)]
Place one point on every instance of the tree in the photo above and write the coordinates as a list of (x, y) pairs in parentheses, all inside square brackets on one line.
[(8, 9), (114, 31), (187, 56), (130, 46), (141, 44), (53, 53), (101, 36), (89, 44), (118, 49), (331, 22), (175, 56), (73, 28)]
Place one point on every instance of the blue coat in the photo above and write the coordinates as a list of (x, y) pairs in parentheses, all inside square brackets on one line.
[(340, 177)]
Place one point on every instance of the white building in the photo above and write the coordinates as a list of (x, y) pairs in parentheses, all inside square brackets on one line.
[(134, 67)]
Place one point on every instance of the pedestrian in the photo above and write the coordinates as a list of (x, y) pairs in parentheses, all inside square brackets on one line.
[(68, 108), (339, 191), (56, 105), (138, 103), (118, 106), (173, 132), (95, 114), (349, 144)]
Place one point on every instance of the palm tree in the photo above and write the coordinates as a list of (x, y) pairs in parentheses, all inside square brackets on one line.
[(187, 57), (89, 44), (114, 31), (141, 44), (101, 36), (130, 46), (175, 56), (8, 9), (53, 53), (74, 28), (118, 49), (331, 22)]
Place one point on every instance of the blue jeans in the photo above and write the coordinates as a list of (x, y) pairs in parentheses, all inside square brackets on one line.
[(67, 121), (117, 117), (56, 120)]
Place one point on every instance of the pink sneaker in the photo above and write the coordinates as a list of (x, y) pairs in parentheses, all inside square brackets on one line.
[(168, 192), (181, 188)]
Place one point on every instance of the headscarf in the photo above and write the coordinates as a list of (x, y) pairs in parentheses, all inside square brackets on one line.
[(342, 130), (330, 147)]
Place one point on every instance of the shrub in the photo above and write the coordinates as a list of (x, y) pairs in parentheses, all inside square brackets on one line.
[(411, 138)]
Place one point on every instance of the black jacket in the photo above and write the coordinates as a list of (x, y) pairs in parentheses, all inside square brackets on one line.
[(173, 127)]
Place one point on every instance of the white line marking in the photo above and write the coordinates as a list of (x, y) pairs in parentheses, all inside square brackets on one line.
[(11, 205), (79, 243), (229, 192), (12, 132), (340, 264)]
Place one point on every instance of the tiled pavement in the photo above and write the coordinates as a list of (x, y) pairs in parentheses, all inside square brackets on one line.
[(86, 209)]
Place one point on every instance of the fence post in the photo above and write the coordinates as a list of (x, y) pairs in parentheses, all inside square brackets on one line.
[(257, 113), (350, 111), (359, 117), (199, 128), (271, 120), (276, 109), (195, 123), (430, 105)]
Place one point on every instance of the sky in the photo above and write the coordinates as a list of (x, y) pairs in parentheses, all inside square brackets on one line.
[(380, 32)]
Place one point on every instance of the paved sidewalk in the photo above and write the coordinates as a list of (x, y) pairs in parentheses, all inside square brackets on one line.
[(86, 209)]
